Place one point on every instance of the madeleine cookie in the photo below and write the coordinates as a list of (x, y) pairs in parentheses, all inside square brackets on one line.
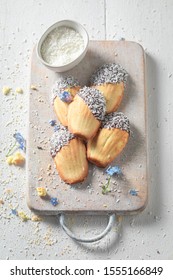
[(86, 112), (110, 79), (64, 91), (69, 154), (110, 139)]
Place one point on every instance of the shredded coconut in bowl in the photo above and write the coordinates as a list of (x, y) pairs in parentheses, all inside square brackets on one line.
[(62, 46)]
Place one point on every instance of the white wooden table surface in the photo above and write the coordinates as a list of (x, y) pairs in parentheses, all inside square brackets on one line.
[(145, 236)]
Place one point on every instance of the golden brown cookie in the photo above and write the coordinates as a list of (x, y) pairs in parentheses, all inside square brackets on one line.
[(110, 139), (69, 154), (110, 79), (64, 91)]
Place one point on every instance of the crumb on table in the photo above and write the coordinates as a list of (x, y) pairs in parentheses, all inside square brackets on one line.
[(19, 90), (36, 218), (1, 201), (41, 191), (6, 90), (33, 87), (16, 159)]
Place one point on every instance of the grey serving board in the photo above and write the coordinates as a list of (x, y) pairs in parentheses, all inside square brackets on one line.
[(87, 197)]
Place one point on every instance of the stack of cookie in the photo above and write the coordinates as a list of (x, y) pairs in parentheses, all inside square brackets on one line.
[(91, 129)]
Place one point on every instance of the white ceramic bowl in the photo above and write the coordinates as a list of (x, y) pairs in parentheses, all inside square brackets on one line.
[(67, 23)]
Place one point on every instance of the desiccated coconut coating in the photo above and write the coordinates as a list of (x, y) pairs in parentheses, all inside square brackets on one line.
[(109, 73), (59, 139), (95, 101), (116, 120), (64, 83)]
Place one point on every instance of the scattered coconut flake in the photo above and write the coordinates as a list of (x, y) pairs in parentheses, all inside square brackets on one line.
[(49, 167), (64, 83)]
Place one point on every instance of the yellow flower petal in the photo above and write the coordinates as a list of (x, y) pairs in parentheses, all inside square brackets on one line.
[(41, 191), (18, 159), (6, 90), (9, 160), (23, 216)]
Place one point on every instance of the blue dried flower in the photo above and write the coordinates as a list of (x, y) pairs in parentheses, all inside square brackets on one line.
[(20, 140), (133, 192), (56, 127), (14, 212), (54, 201), (65, 96), (113, 170), (52, 122)]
